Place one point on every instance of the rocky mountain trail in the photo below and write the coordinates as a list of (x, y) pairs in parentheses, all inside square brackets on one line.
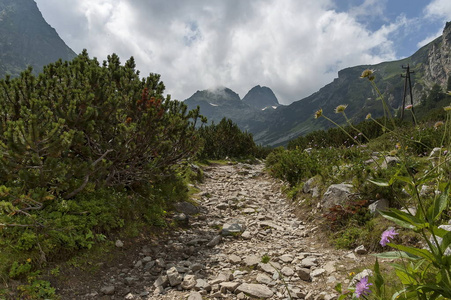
[(243, 240)]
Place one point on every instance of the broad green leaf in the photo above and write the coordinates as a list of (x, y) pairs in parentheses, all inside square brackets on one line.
[(403, 219), (435, 288), (440, 203), (379, 183), (404, 294), (440, 232), (415, 251), (395, 255), (405, 277), (378, 280), (405, 179)]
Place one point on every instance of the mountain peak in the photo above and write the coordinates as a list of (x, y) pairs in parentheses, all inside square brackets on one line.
[(261, 97), (26, 39)]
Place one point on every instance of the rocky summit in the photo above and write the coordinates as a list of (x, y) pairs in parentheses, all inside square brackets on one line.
[(241, 241)]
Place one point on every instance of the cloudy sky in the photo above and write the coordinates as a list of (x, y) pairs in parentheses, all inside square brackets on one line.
[(292, 46)]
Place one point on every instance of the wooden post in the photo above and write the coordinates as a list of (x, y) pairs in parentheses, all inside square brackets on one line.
[(408, 82)]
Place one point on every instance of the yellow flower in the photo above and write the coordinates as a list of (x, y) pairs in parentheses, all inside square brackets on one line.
[(438, 124), (447, 108), (318, 113), (340, 108), (351, 274), (368, 116), (28, 260), (368, 74)]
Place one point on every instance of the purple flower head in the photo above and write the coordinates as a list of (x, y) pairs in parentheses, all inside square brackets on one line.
[(362, 287), (386, 235)]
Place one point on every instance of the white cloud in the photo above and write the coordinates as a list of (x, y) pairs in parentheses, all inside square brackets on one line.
[(294, 47), (439, 9)]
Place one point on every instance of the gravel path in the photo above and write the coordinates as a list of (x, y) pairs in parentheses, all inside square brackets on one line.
[(240, 217)]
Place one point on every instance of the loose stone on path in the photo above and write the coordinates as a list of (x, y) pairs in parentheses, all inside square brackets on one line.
[(240, 218)]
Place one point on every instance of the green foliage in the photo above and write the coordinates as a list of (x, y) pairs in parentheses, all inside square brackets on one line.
[(19, 269), (81, 123), (227, 140), (336, 137), (348, 239), (36, 288), (295, 166), (85, 150), (424, 272)]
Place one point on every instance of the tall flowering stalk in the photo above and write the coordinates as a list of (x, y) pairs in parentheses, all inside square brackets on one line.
[(424, 272)]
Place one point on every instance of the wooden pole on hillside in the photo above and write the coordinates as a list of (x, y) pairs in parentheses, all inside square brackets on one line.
[(409, 83)]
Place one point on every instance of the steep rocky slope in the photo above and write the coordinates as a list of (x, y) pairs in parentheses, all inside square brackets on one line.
[(431, 65), (26, 39)]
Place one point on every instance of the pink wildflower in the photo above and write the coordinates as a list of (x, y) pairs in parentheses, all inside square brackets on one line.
[(386, 235), (362, 287)]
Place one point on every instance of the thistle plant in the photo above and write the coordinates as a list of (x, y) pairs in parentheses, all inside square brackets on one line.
[(425, 272)]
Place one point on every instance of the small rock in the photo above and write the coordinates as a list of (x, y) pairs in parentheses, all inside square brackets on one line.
[(255, 290), (201, 284), (267, 268), (160, 262), (108, 290), (262, 278), (286, 258), (309, 262), (232, 228), (189, 282), (234, 259), (330, 267), (215, 241), (241, 296), (161, 281), (222, 277), (287, 271), (304, 274), (119, 244), (361, 250), (138, 264), (251, 260), (196, 267), (195, 296), (317, 272), (181, 219), (246, 235), (174, 276), (229, 286)]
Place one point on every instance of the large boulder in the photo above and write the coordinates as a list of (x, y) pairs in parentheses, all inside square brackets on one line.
[(336, 194), (390, 161)]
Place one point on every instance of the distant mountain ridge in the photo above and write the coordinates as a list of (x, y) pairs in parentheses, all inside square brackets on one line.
[(218, 103), (261, 97), (431, 65), (26, 39)]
